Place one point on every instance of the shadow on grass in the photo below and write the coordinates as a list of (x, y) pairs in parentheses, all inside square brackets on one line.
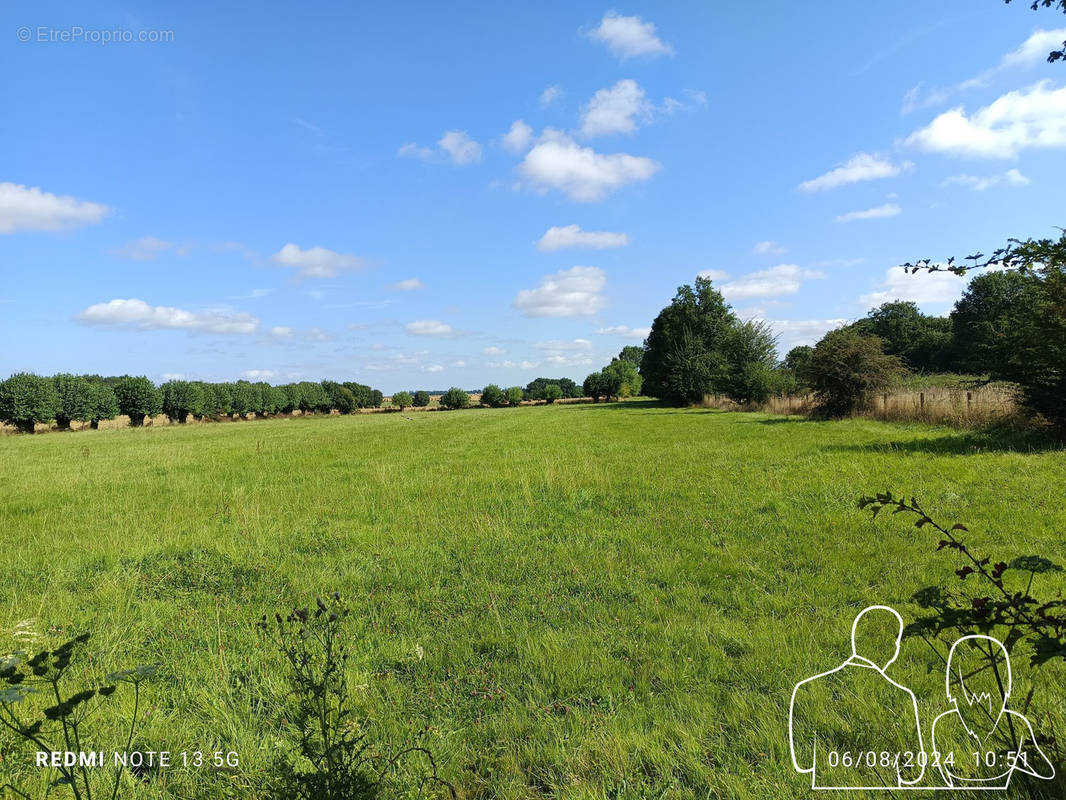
[(962, 443)]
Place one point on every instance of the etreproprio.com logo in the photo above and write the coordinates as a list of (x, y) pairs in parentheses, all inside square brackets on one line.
[(76, 34), (976, 743)]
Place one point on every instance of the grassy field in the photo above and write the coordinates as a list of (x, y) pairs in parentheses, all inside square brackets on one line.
[(586, 601)]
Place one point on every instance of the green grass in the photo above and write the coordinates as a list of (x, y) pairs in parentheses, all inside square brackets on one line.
[(583, 601)]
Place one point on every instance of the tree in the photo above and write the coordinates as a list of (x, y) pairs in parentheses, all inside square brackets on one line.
[(535, 388), (339, 397), (751, 358), (622, 373), (798, 359), (138, 398), (244, 401), (593, 386), (552, 392), (986, 318), (846, 366), (104, 403), (455, 398), (274, 399), (685, 352), (182, 399), (26, 399), (402, 400), (376, 398), (75, 397), (420, 399), (493, 396), (514, 396), (361, 393), (923, 343), (632, 353)]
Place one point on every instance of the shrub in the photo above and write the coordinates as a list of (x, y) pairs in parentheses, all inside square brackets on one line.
[(26, 399), (402, 400), (552, 393), (455, 398), (846, 366), (138, 398), (420, 399), (493, 396), (182, 399), (514, 396), (75, 396)]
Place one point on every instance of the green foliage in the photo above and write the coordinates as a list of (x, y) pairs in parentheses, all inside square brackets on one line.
[(420, 399), (104, 402), (182, 399), (63, 725), (922, 342), (402, 400), (493, 396), (632, 353), (514, 396), (26, 399), (593, 386), (986, 319), (455, 398), (376, 398), (846, 366), (798, 360), (75, 396), (535, 388), (552, 393), (244, 399), (751, 356), (622, 378), (313, 397), (339, 397), (138, 398)]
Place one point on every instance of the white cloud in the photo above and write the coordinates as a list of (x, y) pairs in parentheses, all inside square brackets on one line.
[(794, 332), (1033, 117), (784, 279), (133, 313), (616, 110), (933, 288), (24, 208), (564, 346), (714, 274), (560, 237), (557, 162), (281, 332), (840, 262), (459, 364), (880, 212), (429, 327), (625, 331), (574, 292), (147, 248), (408, 285), (1031, 52), (317, 262), (1011, 177), (259, 374), (550, 95), (433, 368), (769, 248), (517, 139), (860, 167), (494, 351), (629, 36), (461, 149), (412, 150)]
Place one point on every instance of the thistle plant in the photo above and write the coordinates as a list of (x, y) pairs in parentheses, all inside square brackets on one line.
[(37, 705)]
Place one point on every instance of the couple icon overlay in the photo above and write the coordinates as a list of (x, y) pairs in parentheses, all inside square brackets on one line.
[(854, 727)]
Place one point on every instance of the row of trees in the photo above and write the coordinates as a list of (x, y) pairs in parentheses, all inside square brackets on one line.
[(620, 378)]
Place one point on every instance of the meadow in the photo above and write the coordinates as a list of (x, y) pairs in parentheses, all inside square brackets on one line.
[(577, 601)]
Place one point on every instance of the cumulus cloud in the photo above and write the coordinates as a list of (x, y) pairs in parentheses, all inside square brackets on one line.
[(147, 248), (259, 374), (1018, 120), (408, 285), (281, 332), (629, 36), (934, 288), (316, 262), (561, 237), (137, 314), (429, 327), (625, 331), (517, 139), (769, 248), (557, 162), (794, 332), (494, 351), (1011, 177), (784, 279), (714, 274), (619, 109), (880, 212), (24, 208), (433, 368), (860, 167), (454, 146), (550, 95), (574, 292)]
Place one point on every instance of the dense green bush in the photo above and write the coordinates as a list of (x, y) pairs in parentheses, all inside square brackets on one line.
[(455, 398), (922, 342), (75, 396), (402, 400), (26, 399), (420, 399), (594, 386), (552, 393), (846, 366), (104, 402), (535, 389), (182, 399), (514, 395), (493, 396), (340, 397), (138, 398)]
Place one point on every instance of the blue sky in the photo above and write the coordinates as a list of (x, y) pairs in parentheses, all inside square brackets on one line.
[(437, 194)]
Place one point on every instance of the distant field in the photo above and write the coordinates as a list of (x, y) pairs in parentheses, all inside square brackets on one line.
[(580, 601)]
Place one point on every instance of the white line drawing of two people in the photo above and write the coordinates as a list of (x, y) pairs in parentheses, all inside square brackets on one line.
[(978, 683)]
